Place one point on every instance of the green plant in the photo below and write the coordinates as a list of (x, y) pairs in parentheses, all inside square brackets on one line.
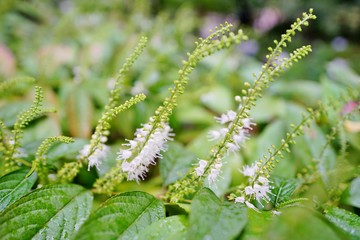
[(191, 203)]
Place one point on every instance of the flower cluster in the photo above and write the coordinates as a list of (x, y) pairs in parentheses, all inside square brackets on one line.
[(150, 144), (237, 135), (258, 188), (214, 172), (241, 131), (96, 155)]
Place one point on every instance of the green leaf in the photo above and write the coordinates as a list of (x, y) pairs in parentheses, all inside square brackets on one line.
[(352, 194), (297, 223), (303, 91), (175, 163), (51, 212), (268, 108), (218, 99), (60, 150), (9, 112), (14, 185), (256, 225), (345, 220), (211, 218), (282, 189), (122, 217), (173, 227)]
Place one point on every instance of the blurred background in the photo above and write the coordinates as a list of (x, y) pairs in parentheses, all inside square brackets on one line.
[(75, 48)]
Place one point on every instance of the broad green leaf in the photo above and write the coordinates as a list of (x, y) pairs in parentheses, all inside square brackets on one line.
[(122, 217), (14, 185), (345, 220), (257, 224), (60, 150), (188, 113), (218, 99), (9, 112), (175, 163), (268, 108), (51, 212), (41, 129), (303, 91), (211, 218), (173, 227), (352, 194), (272, 134), (298, 224)]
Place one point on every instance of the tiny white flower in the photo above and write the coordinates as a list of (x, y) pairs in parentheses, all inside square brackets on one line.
[(97, 156), (249, 190), (247, 123), (239, 200), (261, 191), (232, 147), (125, 154), (249, 171), (276, 212), (214, 173), (263, 180), (240, 137), (226, 117), (252, 206), (201, 168)]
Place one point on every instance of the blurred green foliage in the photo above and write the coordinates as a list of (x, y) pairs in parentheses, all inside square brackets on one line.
[(74, 49)]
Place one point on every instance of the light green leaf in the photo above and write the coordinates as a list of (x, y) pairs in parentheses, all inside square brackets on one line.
[(173, 227), (303, 91), (9, 112), (211, 218), (60, 150), (345, 220), (14, 185), (218, 99), (51, 212), (175, 163), (122, 217), (268, 108), (352, 194)]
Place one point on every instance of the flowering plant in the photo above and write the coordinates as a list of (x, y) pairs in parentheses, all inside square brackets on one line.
[(200, 196)]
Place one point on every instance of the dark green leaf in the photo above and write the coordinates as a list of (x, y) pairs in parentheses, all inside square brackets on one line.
[(14, 185), (51, 212), (122, 217), (211, 218), (175, 163), (282, 189), (173, 227), (345, 220)]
